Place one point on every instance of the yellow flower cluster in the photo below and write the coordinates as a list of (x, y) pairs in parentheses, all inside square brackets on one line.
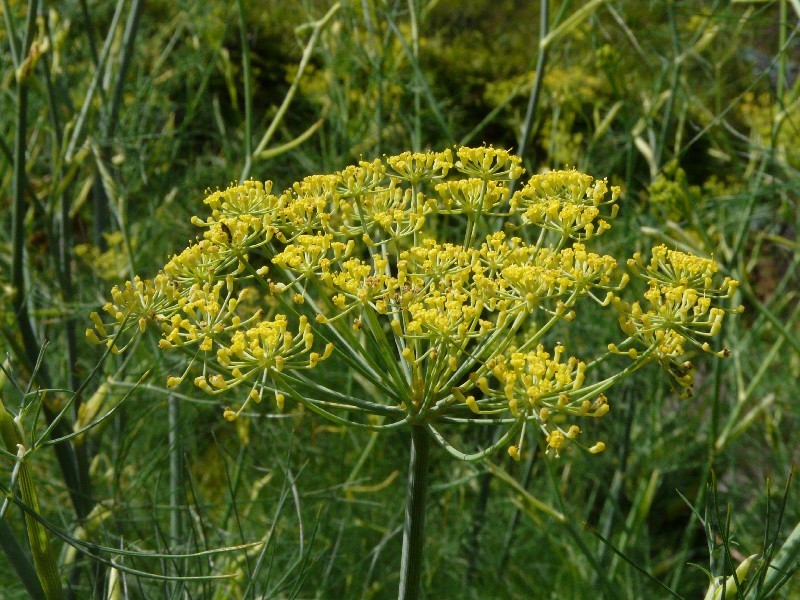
[(489, 164), (404, 271), (421, 167), (567, 202), (471, 196), (205, 312), (138, 303), (536, 385), (680, 309), (258, 353)]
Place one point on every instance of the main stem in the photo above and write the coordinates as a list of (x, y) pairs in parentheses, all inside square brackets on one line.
[(414, 528)]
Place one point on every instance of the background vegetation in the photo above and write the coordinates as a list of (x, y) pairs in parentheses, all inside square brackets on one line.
[(115, 118)]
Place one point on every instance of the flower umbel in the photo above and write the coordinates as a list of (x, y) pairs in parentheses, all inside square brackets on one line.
[(682, 310), (414, 273)]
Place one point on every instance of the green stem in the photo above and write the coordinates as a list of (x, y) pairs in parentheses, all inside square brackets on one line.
[(784, 565), (44, 560), (782, 27), (11, 34), (19, 206), (90, 33), (414, 527), (128, 39), (673, 86), (416, 137), (176, 485), (376, 59), (247, 74), (421, 82), (95, 85), (314, 406), (533, 99), (101, 198), (19, 561), (509, 435), (61, 228), (62, 255)]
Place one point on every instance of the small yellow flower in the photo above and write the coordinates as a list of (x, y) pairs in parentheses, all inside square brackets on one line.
[(556, 440), (597, 448)]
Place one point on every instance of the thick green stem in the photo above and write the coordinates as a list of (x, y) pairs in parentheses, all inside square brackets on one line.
[(414, 528), (19, 561)]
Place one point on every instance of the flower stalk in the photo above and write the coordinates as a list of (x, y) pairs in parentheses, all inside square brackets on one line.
[(414, 524)]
